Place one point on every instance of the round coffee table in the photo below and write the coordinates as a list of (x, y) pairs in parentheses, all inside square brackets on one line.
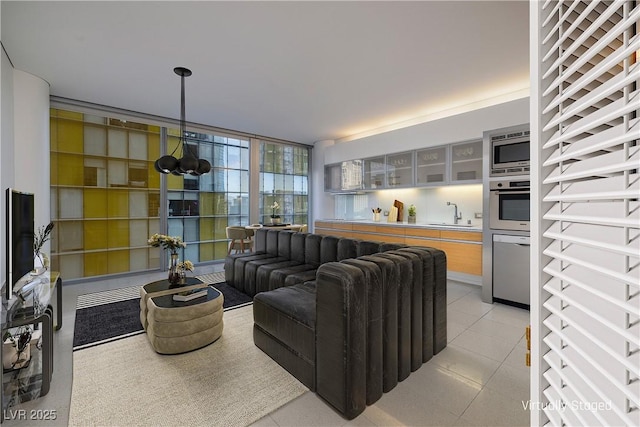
[(176, 326)]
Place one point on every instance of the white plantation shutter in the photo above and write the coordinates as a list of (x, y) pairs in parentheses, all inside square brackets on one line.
[(586, 232)]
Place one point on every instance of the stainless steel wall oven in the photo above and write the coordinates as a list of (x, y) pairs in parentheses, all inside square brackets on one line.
[(510, 205)]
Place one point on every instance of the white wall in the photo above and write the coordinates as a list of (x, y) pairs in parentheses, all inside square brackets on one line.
[(24, 143), (31, 136), (321, 202), (6, 150), (431, 204), (461, 127)]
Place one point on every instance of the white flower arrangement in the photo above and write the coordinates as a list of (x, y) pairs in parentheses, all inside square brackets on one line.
[(185, 265), (167, 242), (274, 208)]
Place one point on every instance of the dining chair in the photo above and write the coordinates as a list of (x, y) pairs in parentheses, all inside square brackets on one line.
[(238, 239)]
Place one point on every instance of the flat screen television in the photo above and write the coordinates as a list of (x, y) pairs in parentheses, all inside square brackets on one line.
[(20, 235)]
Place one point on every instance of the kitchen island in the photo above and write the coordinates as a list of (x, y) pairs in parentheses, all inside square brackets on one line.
[(461, 243)]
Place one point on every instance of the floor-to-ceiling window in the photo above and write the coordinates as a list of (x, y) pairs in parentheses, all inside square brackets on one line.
[(105, 194), (284, 171), (106, 197), (201, 207)]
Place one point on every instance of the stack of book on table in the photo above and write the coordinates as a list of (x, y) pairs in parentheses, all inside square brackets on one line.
[(190, 294)]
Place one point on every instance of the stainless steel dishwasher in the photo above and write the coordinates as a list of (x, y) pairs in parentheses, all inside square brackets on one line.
[(511, 266)]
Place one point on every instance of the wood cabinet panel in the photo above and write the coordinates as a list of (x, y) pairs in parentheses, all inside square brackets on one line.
[(366, 236), (422, 232), (422, 242), (388, 239), (364, 227), (463, 257), (471, 236), (342, 226), (390, 229)]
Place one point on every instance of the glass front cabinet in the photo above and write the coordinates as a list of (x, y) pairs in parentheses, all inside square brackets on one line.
[(373, 173), (399, 169), (466, 162), (459, 163), (431, 166), (333, 177)]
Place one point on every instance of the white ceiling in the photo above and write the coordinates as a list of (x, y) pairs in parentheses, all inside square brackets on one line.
[(302, 71)]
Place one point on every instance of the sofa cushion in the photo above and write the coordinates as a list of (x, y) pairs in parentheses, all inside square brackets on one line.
[(427, 301), (439, 297), (251, 271), (260, 248), (329, 249), (390, 285), (347, 248), (289, 314), (366, 247), (284, 243), (313, 249), (278, 277), (302, 277), (405, 279), (416, 307), (341, 377), (263, 274), (373, 277), (270, 238)]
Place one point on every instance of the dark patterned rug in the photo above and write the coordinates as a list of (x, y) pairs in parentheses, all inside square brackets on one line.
[(99, 319)]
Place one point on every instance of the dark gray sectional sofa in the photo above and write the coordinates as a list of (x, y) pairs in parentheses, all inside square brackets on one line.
[(348, 318)]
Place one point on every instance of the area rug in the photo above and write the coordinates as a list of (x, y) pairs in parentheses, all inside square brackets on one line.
[(227, 383), (110, 315)]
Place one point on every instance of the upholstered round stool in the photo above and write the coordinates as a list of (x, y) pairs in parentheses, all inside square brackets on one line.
[(177, 327)]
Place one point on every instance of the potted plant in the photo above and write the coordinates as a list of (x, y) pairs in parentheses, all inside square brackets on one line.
[(275, 218), (412, 214)]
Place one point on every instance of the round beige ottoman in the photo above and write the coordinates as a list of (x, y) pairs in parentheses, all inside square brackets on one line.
[(177, 327)]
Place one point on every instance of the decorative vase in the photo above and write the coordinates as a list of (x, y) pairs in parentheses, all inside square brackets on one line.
[(174, 276), (275, 220), (182, 277), (412, 219), (39, 265)]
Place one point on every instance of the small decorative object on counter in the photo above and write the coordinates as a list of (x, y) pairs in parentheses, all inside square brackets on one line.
[(412, 214), (400, 210), (275, 218), (376, 214)]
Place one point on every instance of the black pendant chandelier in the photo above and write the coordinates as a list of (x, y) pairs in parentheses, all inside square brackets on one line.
[(188, 163)]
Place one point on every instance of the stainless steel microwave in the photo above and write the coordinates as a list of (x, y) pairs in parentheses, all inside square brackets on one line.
[(511, 154)]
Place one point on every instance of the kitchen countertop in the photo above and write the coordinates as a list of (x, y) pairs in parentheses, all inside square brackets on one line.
[(434, 225)]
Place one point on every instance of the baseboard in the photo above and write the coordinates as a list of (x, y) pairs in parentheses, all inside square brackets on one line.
[(464, 278)]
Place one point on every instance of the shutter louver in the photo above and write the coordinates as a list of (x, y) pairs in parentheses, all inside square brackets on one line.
[(587, 126)]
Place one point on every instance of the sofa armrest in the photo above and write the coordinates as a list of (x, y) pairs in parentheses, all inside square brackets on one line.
[(341, 312)]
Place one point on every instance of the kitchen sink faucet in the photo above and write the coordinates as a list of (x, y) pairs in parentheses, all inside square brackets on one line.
[(456, 217)]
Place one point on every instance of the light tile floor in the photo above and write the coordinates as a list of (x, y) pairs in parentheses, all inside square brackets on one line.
[(479, 379)]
